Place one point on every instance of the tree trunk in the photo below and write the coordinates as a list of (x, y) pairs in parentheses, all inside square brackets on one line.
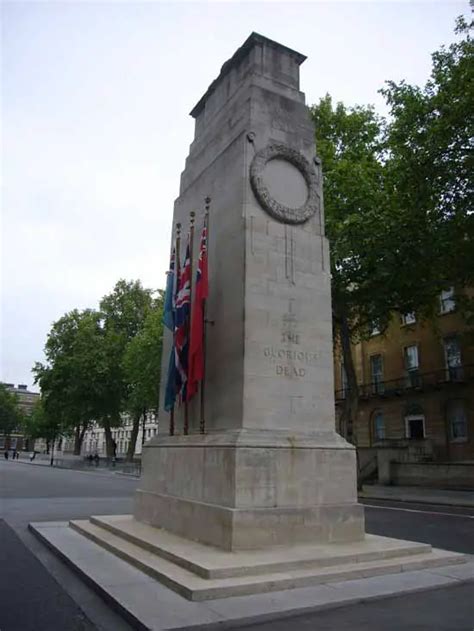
[(133, 438), (77, 441), (143, 428), (110, 446), (351, 400)]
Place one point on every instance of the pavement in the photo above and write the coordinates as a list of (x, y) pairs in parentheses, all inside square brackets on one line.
[(49, 606), (418, 494), (65, 462), (43, 494), (410, 612)]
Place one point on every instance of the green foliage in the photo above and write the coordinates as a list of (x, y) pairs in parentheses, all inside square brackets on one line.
[(431, 143), (10, 413), (86, 376), (350, 144), (124, 312), (42, 424), (398, 199), (142, 362), (71, 381)]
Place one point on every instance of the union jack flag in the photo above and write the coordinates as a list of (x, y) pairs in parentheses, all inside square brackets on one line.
[(182, 313), (201, 292)]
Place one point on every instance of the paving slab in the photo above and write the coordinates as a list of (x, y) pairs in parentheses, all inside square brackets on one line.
[(150, 605)]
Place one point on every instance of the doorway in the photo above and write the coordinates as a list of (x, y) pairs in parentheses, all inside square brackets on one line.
[(415, 427)]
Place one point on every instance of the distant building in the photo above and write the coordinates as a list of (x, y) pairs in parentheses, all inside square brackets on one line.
[(26, 401), (94, 438), (416, 383)]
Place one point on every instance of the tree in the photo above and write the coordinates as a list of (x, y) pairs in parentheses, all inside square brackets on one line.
[(123, 312), (72, 379), (358, 210), (398, 196), (43, 423), (10, 413), (431, 145), (142, 369)]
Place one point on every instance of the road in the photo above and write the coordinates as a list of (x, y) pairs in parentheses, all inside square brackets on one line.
[(55, 594)]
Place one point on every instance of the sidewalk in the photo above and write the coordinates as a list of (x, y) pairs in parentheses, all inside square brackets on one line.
[(121, 468), (418, 494)]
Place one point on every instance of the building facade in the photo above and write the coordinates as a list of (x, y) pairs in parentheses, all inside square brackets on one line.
[(416, 382), (94, 438), (26, 402)]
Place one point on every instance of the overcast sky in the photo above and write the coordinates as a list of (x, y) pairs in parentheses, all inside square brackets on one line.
[(96, 128)]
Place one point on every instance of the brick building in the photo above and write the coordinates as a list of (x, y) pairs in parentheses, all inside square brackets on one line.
[(416, 382)]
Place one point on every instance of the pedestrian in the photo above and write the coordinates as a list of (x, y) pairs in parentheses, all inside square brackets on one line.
[(6, 454), (18, 455), (14, 454)]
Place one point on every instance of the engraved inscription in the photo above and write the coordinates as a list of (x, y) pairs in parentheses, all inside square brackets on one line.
[(290, 338), (295, 360)]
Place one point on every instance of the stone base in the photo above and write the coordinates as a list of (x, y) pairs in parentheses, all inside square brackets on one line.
[(247, 490), (199, 572), (246, 529)]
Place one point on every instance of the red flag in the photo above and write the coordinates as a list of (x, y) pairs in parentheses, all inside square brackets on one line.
[(201, 292)]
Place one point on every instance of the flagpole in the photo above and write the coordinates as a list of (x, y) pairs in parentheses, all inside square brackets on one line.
[(188, 326), (202, 423), (176, 265)]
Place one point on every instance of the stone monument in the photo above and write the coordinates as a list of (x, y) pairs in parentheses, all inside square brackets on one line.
[(266, 498), (271, 468)]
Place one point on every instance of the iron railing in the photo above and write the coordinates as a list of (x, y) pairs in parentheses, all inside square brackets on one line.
[(412, 381)]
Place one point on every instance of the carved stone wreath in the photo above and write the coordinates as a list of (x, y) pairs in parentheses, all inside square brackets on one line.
[(279, 211)]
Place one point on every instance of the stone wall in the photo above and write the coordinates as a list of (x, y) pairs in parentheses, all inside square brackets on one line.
[(438, 475)]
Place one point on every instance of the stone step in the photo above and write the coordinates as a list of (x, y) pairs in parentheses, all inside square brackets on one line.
[(209, 562), (196, 588)]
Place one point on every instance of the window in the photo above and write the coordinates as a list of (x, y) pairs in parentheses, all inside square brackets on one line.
[(415, 427), (379, 426), (411, 357), (447, 302), (410, 354), (376, 373), (408, 318), (452, 358), (374, 329), (343, 381), (457, 422)]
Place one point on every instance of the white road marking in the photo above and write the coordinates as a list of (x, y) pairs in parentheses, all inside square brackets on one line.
[(414, 510)]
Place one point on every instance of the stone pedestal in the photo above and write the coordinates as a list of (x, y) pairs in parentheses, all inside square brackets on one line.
[(270, 469), (247, 489)]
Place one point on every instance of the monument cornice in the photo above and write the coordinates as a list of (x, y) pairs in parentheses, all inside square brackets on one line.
[(254, 39), (254, 439)]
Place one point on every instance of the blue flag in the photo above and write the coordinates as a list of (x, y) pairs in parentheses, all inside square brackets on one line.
[(170, 392)]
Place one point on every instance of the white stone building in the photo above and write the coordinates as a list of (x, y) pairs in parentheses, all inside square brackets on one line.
[(94, 439)]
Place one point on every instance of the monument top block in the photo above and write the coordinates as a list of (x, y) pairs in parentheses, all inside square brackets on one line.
[(260, 55)]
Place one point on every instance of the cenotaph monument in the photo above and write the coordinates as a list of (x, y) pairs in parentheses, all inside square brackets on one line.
[(270, 469), (265, 499)]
